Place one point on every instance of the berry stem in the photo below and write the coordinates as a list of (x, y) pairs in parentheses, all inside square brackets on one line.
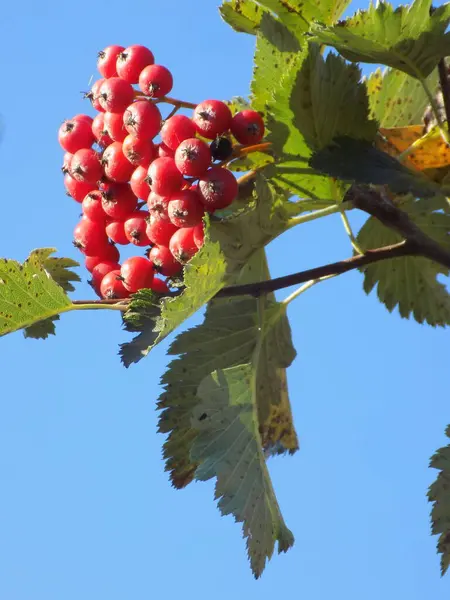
[(243, 150), (295, 294), (167, 100)]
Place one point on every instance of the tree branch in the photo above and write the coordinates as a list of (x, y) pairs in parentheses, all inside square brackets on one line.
[(445, 87), (355, 262)]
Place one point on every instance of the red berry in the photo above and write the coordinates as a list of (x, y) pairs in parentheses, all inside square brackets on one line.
[(193, 157), (106, 62), (92, 207), (185, 209), (218, 188), (115, 94), (94, 95), (90, 237), (77, 189), (164, 151), (163, 261), (117, 167), (98, 129), (132, 61), (139, 183), (159, 231), (66, 162), (177, 129), (142, 119), (212, 118), (85, 166), (158, 205), (100, 270), (199, 235), (138, 151), (155, 81), (114, 127), (82, 117), (159, 286), (112, 287), (109, 254), (116, 232), (135, 229), (118, 200), (75, 134), (164, 176), (137, 273), (247, 127), (182, 245)]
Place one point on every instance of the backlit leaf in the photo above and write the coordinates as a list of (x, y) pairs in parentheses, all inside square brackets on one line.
[(439, 495)]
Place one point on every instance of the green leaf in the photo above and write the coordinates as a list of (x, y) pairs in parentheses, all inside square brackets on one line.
[(408, 38), (227, 338), (278, 63), (244, 16), (59, 270), (228, 446), (255, 160), (410, 283), (439, 496), (396, 99), (28, 293), (203, 278), (329, 100), (359, 161)]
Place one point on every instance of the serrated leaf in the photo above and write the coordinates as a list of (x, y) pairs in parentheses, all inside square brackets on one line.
[(410, 283), (244, 16), (203, 278), (278, 62), (226, 338), (359, 161), (42, 329), (408, 38), (439, 496), (28, 293), (255, 160), (396, 99), (228, 446), (329, 100)]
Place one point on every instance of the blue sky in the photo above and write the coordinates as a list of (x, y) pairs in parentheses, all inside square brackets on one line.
[(86, 509)]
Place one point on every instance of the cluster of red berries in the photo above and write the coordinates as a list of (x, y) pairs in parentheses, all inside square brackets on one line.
[(143, 180)]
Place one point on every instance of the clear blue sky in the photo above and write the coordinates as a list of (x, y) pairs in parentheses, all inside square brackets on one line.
[(86, 510)]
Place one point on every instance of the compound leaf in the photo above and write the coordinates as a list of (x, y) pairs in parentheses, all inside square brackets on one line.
[(408, 38), (29, 294), (410, 283), (358, 160), (244, 16), (439, 496), (397, 99), (228, 446)]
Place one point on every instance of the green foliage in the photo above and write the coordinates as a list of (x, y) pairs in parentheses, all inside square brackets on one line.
[(408, 38), (439, 495), (396, 99), (410, 283), (29, 294), (226, 342), (243, 15), (228, 446), (203, 278), (359, 161)]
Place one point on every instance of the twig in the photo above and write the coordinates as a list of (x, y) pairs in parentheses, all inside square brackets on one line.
[(445, 87), (264, 287)]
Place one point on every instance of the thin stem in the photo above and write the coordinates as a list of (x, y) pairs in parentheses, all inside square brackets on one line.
[(173, 112), (243, 150), (317, 214), (176, 102), (435, 109), (445, 87), (309, 284), (349, 231), (94, 305)]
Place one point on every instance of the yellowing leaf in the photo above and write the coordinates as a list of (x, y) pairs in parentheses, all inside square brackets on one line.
[(431, 152)]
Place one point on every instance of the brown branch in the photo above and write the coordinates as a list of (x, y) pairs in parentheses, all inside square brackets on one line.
[(355, 262)]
